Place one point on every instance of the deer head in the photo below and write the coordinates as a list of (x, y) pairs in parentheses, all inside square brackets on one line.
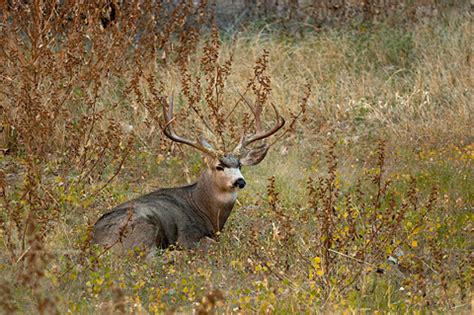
[(224, 167)]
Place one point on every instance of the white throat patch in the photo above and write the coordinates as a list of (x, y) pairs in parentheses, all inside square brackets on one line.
[(227, 197)]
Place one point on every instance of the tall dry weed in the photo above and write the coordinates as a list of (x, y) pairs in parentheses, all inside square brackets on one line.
[(80, 98), (59, 64)]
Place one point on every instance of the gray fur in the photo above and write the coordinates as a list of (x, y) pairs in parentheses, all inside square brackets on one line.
[(164, 217), (170, 216), (230, 160)]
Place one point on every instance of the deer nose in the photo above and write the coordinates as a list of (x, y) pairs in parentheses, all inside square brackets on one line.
[(240, 183)]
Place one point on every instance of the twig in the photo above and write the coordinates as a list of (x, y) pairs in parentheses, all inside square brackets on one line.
[(119, 168), (353, 258)]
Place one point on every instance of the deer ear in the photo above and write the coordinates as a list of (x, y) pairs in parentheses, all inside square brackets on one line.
[(255, 156), (209, 160), (203, 141)]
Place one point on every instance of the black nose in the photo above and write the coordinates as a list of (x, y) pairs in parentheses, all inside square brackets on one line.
[(240, 183)]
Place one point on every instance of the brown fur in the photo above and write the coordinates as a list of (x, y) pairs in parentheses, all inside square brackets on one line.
[(170, 216)]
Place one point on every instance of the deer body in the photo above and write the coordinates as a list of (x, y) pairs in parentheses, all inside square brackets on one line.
[(185, 215), (170, 216)]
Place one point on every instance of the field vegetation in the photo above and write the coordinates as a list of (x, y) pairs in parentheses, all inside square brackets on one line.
[(364, 203)]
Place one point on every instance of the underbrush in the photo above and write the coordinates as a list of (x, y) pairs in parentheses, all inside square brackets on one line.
[(365, 203), (393, 238)]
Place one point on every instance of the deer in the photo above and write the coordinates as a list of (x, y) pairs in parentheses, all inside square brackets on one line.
[(183, 216)]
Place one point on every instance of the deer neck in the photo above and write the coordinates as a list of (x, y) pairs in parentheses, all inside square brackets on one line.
[(213, 202)]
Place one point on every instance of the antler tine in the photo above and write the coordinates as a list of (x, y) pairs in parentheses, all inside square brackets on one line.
[(169, 132), (280, 122), (240, 145), (259, 134)]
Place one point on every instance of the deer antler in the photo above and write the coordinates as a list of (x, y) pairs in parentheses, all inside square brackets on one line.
[(201, 144), (259, 133)]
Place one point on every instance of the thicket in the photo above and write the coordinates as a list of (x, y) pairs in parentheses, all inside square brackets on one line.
[(373, 209)]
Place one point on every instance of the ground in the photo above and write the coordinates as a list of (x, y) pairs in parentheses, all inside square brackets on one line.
[(365, 204)]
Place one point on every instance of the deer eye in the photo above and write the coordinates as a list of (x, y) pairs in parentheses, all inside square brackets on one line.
[(219, 168)]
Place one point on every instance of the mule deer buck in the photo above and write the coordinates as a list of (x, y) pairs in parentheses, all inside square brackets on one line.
[(185, 215)]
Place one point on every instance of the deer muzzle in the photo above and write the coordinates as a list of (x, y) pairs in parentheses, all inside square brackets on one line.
[(240, 183)]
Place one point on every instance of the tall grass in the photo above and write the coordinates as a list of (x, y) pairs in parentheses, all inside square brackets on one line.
[(364, 204)]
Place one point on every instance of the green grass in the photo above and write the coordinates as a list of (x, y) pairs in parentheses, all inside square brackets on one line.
[(411, 87)]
